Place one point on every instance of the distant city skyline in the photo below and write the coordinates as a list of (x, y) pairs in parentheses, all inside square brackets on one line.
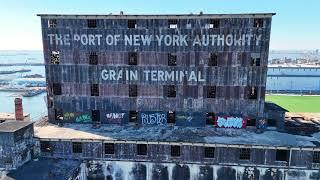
[(296, 25)]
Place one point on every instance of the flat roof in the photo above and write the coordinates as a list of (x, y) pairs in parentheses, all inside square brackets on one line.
[(12, 126), (174, 134), (11, 116), (155, 16), (45, 168), (270, 106)]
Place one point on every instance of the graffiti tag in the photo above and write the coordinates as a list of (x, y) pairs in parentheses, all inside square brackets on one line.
[(262, 124), (230, 122), (154, 119), (114, 117), (84, 118), (187, 118), (68, 115)]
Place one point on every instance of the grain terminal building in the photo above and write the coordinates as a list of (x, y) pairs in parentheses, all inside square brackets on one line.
[(185, 70), (167, 97)]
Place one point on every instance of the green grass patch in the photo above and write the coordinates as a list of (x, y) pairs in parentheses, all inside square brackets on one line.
[(296, 103)]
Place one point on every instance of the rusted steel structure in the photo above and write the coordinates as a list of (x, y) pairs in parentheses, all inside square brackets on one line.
[(189, 70)]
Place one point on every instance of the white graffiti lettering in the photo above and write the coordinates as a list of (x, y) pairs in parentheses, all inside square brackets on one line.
[(115, 115), (154, 119), (230, 122)]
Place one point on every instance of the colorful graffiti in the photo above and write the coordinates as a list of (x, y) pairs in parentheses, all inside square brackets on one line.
[(68, 115), (154, 119), (84, 118), (230, 122), (186, 118), (115, 117)]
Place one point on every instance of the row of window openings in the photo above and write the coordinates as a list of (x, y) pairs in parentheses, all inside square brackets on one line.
[(172, 23), (209, 152), (170, 91), (133, 59)]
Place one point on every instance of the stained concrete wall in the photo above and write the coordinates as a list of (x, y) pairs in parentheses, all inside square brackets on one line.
[(189, 154), (16, 147), (171, 171)]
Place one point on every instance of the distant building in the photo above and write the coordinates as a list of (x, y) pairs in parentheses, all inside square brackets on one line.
[(293, 79)]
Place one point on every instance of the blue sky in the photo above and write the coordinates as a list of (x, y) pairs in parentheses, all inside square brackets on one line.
[(296, 25)]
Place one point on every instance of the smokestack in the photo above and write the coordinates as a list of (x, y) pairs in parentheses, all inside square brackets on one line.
[(18, 109)]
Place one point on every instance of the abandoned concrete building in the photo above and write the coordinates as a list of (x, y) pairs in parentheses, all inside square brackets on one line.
[(168, 97), (16, 138)]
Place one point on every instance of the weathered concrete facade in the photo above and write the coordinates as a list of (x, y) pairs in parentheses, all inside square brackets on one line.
[(16, 143), (191, 153), (177, 171), (214, 64)]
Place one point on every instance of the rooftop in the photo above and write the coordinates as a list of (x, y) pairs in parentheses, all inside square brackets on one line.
[(165, 134), (12, 116), (45, 168), (12, 126), (270, 106), (155, 16)]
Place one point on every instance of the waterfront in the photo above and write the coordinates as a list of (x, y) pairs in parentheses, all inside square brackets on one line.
[(35, 106)]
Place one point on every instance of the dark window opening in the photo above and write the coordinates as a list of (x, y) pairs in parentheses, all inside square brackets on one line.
[(172, 59), (172, 23), (55, 57), (94, 89), (133, 90), (175, 150), (282, 155), (52, 23), (258, 23), (57, 89), (209, 152), (211, 91), (76, 147), (255, 61), (253, 93), (244, 154), (45, 146), (214, 23), (171, 90), (58, 114), (7, 160), (132, 58), (210, 118), (95, 115), (93, 58), (251, 122), (108, 148), (132, 24), (316, 157), (133, 116), (141, 149), (92, 23), (272, 122), (171, 116), (213, 60)]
